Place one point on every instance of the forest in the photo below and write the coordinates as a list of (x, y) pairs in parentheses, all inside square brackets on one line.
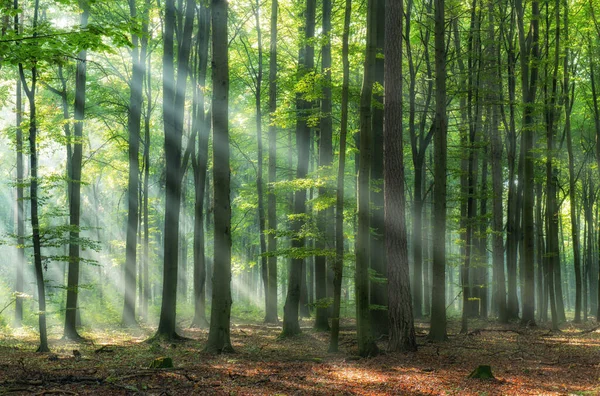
[(299, 197)]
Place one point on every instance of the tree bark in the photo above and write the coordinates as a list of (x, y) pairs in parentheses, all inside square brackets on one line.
[(174, 89), (134, 129), (366, 341), (200, 168), (219, 335), (325, 159), (437, 331), (291, 326), (401, 325), (271, 292), (30, 92), (338, 264)]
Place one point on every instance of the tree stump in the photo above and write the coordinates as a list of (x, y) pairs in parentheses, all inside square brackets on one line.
[(482, 372), (162, 362)]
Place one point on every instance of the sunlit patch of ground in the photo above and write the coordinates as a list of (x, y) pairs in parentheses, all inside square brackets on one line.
[(115, 362)]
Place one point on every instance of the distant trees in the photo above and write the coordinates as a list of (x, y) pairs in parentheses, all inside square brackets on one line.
[(482, 192)]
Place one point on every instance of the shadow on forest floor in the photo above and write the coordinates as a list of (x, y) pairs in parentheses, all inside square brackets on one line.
[(524, 361)]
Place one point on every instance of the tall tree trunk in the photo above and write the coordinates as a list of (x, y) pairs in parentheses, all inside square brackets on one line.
[(402, 331), (338, 264), (572, 178), (134, 129), (271, 292), (291, 326), (219, 334), (437, 331), (325, 159), (378, 287), (529, 76), (30, 92), (481, 271), (147, 117), (259, 153), (21, 260), (75, 199), (173, 111), (498, 278), (366, 341), (597, 128), (200, 166), (512, 208)]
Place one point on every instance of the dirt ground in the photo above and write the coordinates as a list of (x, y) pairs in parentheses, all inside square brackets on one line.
[(525, 361)]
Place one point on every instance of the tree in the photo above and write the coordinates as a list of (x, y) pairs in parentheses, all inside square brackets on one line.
[(325, 159), (437, 330), (219, 336), (567, 89), (338, 264), (402, 332), (366, 342), (173, 110), (30, 92), (200, 166), (21, 261), (378, 263), (134, 129), (291, 326), (271, 308), (75, 190), (499, 288), (529, 76)]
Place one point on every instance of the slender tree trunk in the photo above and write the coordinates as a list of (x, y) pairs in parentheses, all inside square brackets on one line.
[(498, 278), (271, 309), (200, 167), (134, 129), (378, 288), (572, 178), (291, 326), (437, 331), (366, 341), (258, 80), (147, 117), (174, 89), (219, 334), (30, 92), (529, 77), (325, 158), (21, 260), (338, 264), (75, 199)]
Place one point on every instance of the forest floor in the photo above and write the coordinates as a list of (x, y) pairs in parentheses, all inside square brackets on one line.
[(525, 361)]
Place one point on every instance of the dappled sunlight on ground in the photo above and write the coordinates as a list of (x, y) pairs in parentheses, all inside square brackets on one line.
[(115, 361)]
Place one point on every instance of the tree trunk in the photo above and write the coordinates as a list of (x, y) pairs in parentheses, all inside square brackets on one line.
[(437, 331), (325, 158), (219, 334), (338, 264), (134, 129), (529, 76), (378, 287), (271, 292), (402, 331), (200, 166), (21, 260), (366, 341), (258, 79), (173, 116), (291, 326), (498, 278), (572, 177), (30, 92)]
